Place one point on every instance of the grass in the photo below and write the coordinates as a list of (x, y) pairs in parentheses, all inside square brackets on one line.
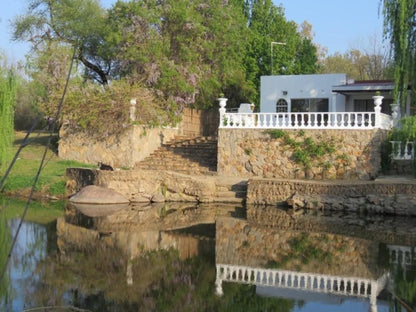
[(52, 178)]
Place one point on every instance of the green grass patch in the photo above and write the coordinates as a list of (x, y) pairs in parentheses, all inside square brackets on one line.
[(52, 177)]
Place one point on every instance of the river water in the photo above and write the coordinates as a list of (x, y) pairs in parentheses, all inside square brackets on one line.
[(179, 257)]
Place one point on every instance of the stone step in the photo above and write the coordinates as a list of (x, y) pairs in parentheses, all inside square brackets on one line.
[(231, 194), (233, 200), (187, 155), (231, 190)]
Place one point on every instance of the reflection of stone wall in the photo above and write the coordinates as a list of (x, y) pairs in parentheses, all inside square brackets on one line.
[(397, 198), (252, 152), (386, 230), (239, 242), (131, 243)]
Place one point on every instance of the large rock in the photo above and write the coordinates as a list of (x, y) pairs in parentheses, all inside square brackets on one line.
[(93, 194)]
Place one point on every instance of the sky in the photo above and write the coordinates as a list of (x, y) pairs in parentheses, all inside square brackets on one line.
[(338, 25)]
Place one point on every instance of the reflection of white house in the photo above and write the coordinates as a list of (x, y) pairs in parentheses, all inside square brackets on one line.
[(322, 93)]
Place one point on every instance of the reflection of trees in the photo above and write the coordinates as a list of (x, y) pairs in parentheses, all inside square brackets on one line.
[(239, 297), (404, 287), (5, 242), (95, 278)]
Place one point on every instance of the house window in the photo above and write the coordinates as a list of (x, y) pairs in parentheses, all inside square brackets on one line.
[(309, 105), (281, 106)]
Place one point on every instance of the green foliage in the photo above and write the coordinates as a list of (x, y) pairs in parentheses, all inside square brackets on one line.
[(306, 151), (8, 87), (404, 283), (105, 111), (184, 52), (276, 133), (405, 132), (266, 24), (399, 27)]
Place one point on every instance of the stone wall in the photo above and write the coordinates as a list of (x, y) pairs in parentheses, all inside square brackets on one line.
[(199, 122), (145, 185), (135, 144), (347, 154), (396, 197), (118, 151)]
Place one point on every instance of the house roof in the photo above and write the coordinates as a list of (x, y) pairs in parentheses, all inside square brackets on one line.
[(365, 86)]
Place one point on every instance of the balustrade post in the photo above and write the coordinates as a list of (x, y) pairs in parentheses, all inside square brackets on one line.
[(222, 103), (378, 99), (395, 114)]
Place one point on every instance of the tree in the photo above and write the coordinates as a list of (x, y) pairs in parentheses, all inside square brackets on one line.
[(78, 23), (368, 63), (400, 28), (267, 23), (185, 52), (8, 87), (180, 48)]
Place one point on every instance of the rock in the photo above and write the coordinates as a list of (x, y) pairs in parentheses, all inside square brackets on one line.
[(158, 198), (93, 194), (296, 201), (141, 198)]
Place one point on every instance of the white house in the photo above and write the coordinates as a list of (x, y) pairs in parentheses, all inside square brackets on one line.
[(322, 93)]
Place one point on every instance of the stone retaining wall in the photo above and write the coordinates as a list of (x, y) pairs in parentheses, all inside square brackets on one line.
[(136, 143), (145, 185), (354, 154), (118, 151), (197, 123), (387, 197)]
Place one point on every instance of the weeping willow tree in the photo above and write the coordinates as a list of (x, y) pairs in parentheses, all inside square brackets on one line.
[(400, 29), (8, 87)]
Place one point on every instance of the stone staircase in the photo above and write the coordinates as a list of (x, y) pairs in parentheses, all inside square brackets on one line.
[(230, 190), (194, 156)]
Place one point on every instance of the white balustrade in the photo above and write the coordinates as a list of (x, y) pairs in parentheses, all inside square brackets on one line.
[(320, 283), (402, 150), (330, 120), (322, 120)]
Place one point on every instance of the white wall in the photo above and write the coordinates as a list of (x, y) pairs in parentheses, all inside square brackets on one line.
[(272, 88)]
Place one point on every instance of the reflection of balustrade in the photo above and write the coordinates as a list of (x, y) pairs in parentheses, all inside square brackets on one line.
[(319, 283), (402, 255), (327, 120), (402, 151)]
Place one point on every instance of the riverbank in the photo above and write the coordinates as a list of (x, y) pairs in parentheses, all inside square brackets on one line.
[(393, 196)]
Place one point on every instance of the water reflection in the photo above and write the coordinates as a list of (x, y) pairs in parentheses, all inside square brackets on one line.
[(183, 257)]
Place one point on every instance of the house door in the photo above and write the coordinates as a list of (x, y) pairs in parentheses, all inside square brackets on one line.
[(310, 106)]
